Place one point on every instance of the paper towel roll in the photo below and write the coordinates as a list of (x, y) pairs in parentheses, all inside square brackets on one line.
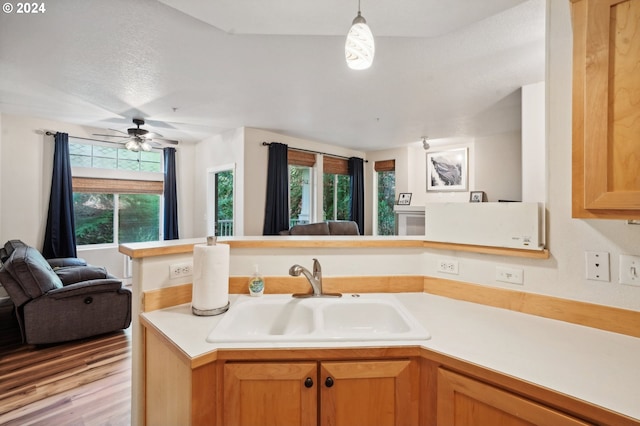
[(210, 294)]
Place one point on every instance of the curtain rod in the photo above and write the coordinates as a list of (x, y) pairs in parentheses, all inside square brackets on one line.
[(48, 133), (315, 152)]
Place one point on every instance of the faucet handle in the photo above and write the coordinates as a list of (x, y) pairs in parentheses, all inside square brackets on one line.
[(317, 269)]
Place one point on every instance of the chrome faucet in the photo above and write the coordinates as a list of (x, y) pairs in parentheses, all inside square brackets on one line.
[(314, 279)]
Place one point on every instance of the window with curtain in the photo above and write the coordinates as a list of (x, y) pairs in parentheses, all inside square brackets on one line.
[(386, 195), (117, 194), (336, 189), (300, 187)]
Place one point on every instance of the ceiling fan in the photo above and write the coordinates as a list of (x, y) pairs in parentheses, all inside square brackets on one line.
[(139, 139)]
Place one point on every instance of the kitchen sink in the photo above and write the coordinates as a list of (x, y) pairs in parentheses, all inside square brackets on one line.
[(281, 318)]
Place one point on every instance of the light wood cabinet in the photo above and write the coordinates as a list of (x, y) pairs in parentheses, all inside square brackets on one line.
[(606, 109), (469, 402), (325, 392)]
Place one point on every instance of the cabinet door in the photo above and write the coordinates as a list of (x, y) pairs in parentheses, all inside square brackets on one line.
[(267, 394), (606, 108), (468, 402), (369, 393)]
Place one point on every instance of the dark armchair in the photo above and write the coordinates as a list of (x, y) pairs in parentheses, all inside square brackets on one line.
[(71, 302)]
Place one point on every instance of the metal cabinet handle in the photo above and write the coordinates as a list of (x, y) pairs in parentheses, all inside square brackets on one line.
[(308, 382), (328, 382)]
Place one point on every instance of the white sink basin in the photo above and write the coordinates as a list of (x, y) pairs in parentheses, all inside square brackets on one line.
[(281, 318)]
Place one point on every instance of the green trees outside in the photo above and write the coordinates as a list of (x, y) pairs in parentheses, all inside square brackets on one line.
[(386, 201), (138, 218), (336, 188), (296, 181)]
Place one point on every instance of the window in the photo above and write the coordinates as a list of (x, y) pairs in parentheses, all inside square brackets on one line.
[(121, 203), (336, 187), (300, 187), (223, 200), (386, 177)]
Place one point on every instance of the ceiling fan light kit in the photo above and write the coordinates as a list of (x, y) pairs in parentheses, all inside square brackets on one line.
[(359, 48), (139, 139)]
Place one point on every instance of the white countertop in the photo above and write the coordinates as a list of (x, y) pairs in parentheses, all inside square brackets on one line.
[(599, 367)]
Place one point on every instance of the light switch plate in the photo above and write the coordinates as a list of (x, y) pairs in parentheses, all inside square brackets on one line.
[(509, 275), (629, 270)]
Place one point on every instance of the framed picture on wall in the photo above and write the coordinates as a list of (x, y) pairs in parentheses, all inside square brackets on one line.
[(447, 170), (404, 199)]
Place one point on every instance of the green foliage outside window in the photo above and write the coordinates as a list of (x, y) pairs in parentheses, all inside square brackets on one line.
[(296, 182), (386, 201), (93, 218), (337, 194), (138, 218)]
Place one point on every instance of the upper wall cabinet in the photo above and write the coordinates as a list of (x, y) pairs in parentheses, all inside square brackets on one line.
[(606, 109)]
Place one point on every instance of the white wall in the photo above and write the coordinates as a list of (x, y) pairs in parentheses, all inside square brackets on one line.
[(218, 150), (26, 157), (498, 166)]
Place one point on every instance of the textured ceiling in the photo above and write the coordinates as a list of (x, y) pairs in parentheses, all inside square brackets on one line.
[(195, 68)]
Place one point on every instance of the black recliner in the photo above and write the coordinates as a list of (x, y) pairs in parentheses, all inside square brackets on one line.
[(72, 301)]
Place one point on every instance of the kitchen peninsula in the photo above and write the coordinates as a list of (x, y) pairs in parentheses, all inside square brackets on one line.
[(575, 371)]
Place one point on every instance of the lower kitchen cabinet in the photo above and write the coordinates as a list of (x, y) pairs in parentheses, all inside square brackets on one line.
[(469, 402), (324, 392)]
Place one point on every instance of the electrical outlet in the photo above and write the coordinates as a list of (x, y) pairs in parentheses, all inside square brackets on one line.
[(448, 266), (509, 275), (597, 265), (629, 269), (180, 270)]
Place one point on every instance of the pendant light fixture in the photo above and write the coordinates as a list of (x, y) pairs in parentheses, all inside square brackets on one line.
[(359, 48)]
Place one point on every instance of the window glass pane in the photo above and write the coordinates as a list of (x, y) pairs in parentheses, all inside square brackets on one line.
[(150, 156), (224, 203), (299, 195), (386, 201), (79, 149), (343, 197), (150, 167), (104, 163), (105, 151), (337, 194), (138, 218), (132, 165), (328, 184), (80, 161), (125, 154), (93, 218)]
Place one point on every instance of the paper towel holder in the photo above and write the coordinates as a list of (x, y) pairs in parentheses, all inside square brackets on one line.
[(210, 312), (211, 241)]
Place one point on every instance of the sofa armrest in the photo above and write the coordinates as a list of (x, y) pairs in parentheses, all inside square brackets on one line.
[(61, 262), (75, 274), (85, 288)]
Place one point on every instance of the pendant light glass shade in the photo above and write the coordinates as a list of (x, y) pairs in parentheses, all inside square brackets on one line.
[(360, 48)]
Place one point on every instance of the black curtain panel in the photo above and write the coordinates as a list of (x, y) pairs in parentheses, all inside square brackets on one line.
[(170, 195), (356, 172), (276, 211), (60, 233)]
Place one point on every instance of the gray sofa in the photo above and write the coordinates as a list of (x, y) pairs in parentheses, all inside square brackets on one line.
[(67, 301), (332, 227)]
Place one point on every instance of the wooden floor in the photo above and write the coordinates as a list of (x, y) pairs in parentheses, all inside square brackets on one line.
[(86, 382)]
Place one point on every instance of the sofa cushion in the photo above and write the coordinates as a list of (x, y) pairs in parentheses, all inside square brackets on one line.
[(310, 229), (343, 227), (31, 271), (75, 274)]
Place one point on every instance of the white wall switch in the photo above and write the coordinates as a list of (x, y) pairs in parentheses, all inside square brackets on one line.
[(629, 270), (597, 265), (509, 275)]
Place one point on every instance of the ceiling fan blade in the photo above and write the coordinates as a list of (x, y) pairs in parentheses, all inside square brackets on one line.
[(169, 141), (152, 135), (110, 136)]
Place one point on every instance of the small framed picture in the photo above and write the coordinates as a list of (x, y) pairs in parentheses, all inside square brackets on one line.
[(404, 199), (477, 197)]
